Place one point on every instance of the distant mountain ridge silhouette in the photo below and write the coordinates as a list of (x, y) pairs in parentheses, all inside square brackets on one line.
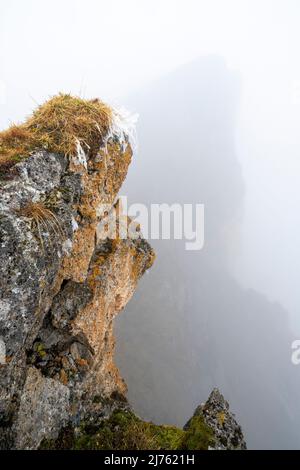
[(191, 326)]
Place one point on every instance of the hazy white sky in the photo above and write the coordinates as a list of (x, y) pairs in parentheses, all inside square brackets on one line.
[(109, 48)]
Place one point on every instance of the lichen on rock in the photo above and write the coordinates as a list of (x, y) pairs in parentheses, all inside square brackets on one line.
[(124, 430), (215, 413), (60, 290), (61, 285)]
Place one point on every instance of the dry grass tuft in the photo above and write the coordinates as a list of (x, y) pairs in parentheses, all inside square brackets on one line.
[(15, 142), (57, 126), (43, 219)]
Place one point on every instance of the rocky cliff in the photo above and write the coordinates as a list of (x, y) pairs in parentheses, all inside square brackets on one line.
[(64, 276)]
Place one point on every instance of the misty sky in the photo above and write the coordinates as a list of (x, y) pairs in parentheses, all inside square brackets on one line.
[(112, 48), (247, 56)]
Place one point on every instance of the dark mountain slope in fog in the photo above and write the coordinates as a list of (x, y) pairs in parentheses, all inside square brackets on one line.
[(186, 145), (190, 326)]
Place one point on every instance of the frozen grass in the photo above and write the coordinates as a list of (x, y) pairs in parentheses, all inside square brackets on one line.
[(123, 127)]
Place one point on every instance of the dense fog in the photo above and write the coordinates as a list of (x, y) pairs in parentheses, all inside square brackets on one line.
[(217, 89), (192, 326)]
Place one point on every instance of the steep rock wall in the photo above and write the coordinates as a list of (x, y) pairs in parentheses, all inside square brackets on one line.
[(65, 273), (60, 291)]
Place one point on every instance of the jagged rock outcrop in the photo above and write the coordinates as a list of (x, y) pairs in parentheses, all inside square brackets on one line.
[(65, 273), (61, 289), (215, 412), (212, 427)]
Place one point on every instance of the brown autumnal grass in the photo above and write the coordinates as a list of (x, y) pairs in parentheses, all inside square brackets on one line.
[(57, 126), (42, 218)]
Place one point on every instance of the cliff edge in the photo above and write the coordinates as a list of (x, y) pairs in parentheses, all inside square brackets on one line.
[(64, 276)]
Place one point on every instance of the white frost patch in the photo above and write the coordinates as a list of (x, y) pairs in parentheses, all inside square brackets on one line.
[(67, 246), (74, 224), (123, 127), (4, 309), (2, 351), (80, 158)]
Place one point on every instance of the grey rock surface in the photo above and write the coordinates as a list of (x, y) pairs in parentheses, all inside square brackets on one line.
[(58, 333), (228, 433), (61, 286)]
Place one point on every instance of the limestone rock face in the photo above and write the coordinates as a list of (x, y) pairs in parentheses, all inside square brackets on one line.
[(227, 432), (60, 290), (70, 260)]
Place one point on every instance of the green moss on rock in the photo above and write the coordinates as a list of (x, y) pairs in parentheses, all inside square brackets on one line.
[(125, 431), (198, 435)]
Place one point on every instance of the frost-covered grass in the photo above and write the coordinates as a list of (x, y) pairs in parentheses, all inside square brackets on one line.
[(123, 127)]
